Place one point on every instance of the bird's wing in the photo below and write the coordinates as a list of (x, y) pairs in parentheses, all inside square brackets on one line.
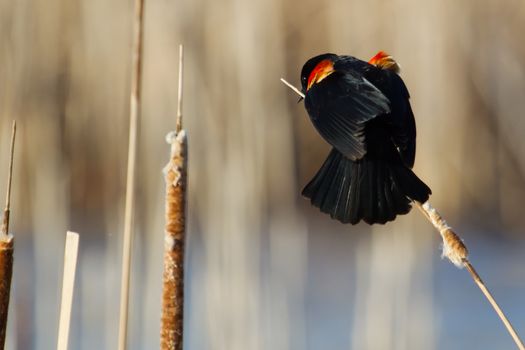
[(401, 120), (340, 105), (404, 135), (401, 123)]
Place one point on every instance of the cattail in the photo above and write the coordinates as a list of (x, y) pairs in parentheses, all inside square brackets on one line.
[(174, 240), (175, 174), (455, 250), (6, 272), (6, 250), (453, 247)]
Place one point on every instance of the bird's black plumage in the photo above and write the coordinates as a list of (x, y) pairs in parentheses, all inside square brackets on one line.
[(364, 113)]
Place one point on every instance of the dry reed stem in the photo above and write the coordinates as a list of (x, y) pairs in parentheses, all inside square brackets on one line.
[(130, 180), (455, 250), (174, 239), (180, 89), (6, 249), (297, 91), (68, 284), (5, 220), (175, 172), (453, 247)]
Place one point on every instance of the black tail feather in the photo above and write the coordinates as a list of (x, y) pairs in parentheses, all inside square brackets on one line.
[(375, 191)]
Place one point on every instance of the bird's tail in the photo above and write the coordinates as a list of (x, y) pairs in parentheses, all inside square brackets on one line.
[(371, 190)]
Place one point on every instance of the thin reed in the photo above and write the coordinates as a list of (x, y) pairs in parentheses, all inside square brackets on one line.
[(130, 178), (68, 286)]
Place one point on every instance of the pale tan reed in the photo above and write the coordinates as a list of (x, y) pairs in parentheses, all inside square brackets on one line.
[(130, 179), (68, 286)]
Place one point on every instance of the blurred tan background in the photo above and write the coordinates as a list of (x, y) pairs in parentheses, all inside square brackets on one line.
[(265, 270)]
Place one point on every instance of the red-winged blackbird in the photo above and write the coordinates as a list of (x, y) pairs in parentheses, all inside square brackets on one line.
[(362, 110)]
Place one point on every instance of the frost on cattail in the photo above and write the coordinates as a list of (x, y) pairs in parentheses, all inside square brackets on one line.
[(453, 247), (177, 140)]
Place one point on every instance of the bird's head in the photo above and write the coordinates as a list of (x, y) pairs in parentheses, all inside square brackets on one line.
[(316, 69), (385, 61)]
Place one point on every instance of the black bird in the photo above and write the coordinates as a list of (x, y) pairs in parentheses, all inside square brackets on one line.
[(362, 110)]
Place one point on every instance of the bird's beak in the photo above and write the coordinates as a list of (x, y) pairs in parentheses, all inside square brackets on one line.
[(300, 99)]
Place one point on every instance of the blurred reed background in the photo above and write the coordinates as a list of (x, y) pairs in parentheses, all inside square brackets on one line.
[(266, 271)]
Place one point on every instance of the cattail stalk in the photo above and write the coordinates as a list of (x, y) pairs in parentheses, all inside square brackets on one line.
[(6, 250), (175, 174), (455, 250), (6, 272), (68, 284), (130, 179)]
